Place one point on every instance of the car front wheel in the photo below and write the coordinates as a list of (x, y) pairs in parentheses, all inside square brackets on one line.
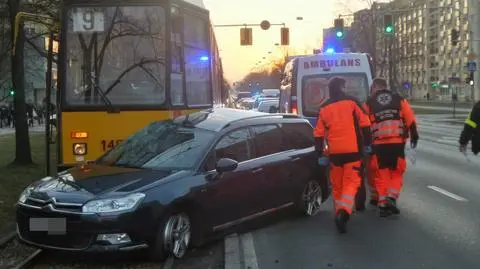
[(173, 237), (311, 201)]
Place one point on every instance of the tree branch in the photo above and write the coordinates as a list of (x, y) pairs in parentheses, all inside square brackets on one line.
[(128, 70)]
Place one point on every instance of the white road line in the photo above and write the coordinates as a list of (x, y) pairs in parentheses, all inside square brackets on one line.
[(446, 193), (168, 263), (232, 252), (249, 255)]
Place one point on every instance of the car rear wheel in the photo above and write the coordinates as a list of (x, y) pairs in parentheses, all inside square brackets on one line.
[(173, 237), (311, 198)]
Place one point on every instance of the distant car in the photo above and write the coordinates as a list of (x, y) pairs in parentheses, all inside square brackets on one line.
[(268, 106), (177, 183)]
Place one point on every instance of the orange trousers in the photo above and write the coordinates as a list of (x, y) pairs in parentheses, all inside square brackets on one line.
[(388, 181), (345, 180)]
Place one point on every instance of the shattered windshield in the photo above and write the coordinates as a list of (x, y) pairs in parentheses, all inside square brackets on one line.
[(116, 55), (160, 145)]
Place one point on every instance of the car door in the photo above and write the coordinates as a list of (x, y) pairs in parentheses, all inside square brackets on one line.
[(232, 196), (270, 151), (303, 158)]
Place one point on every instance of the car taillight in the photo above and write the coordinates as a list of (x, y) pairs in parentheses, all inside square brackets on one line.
[(294, 107)]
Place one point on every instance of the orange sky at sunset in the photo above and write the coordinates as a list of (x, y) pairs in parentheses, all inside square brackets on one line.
[(304, 35)]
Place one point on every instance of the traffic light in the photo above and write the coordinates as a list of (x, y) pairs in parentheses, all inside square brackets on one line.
[(454, 36), (339, 28), (246, 36), (388, 24), (11, 92), (284, 36)]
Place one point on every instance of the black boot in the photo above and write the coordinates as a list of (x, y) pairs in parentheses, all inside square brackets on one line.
[(384, 211), (341, 221), (392, 204)]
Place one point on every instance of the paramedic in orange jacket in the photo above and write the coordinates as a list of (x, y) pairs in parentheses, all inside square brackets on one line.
[(392, 120), (346, 128), (370, 176)]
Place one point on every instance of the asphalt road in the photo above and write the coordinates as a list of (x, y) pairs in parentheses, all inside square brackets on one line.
[(439, 225)]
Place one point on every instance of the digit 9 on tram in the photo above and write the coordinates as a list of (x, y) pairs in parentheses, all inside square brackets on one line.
[(123, 64)]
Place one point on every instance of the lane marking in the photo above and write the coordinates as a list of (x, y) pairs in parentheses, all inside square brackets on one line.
[(248, 247), (447, 193), (168, 263), (232, 252)]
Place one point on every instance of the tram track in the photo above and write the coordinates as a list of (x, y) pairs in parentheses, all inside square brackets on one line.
[(14, 255)]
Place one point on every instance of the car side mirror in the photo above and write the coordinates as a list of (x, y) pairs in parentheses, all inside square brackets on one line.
[(226, 165)]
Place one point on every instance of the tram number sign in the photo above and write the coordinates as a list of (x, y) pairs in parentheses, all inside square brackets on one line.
[(88, 20), (108, 144)]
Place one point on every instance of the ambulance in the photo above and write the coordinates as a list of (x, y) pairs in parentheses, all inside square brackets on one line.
[(304, 84)]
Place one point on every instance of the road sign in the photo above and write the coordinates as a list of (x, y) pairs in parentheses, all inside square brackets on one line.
[(472, 66)]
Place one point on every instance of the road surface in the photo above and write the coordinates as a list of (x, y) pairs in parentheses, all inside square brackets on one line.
[(438, 226)]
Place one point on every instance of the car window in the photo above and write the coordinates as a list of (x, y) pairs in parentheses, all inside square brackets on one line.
[(234, 145), (300, 135), (269, 139)]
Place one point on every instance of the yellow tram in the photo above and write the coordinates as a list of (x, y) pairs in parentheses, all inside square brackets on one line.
[(125, 64)]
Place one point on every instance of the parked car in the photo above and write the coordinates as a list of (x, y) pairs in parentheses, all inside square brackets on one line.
[(177, 183), (268, 106)]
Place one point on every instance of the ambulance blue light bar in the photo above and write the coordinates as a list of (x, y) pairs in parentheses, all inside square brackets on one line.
[(204, 58), (330, 50)]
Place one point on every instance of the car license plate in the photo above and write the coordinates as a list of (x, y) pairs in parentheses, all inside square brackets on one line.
[(54, 226)]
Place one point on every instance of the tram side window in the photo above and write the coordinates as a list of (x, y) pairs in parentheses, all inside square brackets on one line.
[(197, 62), (176, 79)]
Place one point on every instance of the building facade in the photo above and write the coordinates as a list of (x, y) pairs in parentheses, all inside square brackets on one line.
[(418, 58), (339, 45)]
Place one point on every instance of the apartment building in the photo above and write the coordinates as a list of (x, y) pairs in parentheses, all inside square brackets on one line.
[(419, 58)]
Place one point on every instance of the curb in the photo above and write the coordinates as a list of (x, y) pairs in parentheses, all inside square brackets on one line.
[(240, 252)]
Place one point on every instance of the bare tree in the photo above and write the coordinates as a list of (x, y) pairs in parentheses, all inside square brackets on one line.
[(23, 154), (96, 46), (22, 150)]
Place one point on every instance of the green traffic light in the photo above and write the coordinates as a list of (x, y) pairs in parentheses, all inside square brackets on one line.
[(12, 93), (389, 29), (339, 34)]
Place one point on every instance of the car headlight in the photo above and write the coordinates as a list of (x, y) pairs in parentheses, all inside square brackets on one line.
[(113, 205), (25, 193)]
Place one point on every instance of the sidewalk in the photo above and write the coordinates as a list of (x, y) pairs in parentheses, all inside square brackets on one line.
[(442, 108), (34, 129), (441, 104)]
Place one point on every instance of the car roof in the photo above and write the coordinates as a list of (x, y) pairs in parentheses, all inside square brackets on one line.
[(216, 119)]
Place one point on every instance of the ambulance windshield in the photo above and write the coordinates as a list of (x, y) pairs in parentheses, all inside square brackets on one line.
[(315, 90)]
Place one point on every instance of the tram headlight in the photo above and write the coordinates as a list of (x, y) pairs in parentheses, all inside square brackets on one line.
[(80, 149)]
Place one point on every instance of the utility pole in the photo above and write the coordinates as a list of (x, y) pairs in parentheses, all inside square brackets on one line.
[(474, 21)]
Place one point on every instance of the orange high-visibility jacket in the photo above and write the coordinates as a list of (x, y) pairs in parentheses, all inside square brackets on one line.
[(346, 127), (391, 117)]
